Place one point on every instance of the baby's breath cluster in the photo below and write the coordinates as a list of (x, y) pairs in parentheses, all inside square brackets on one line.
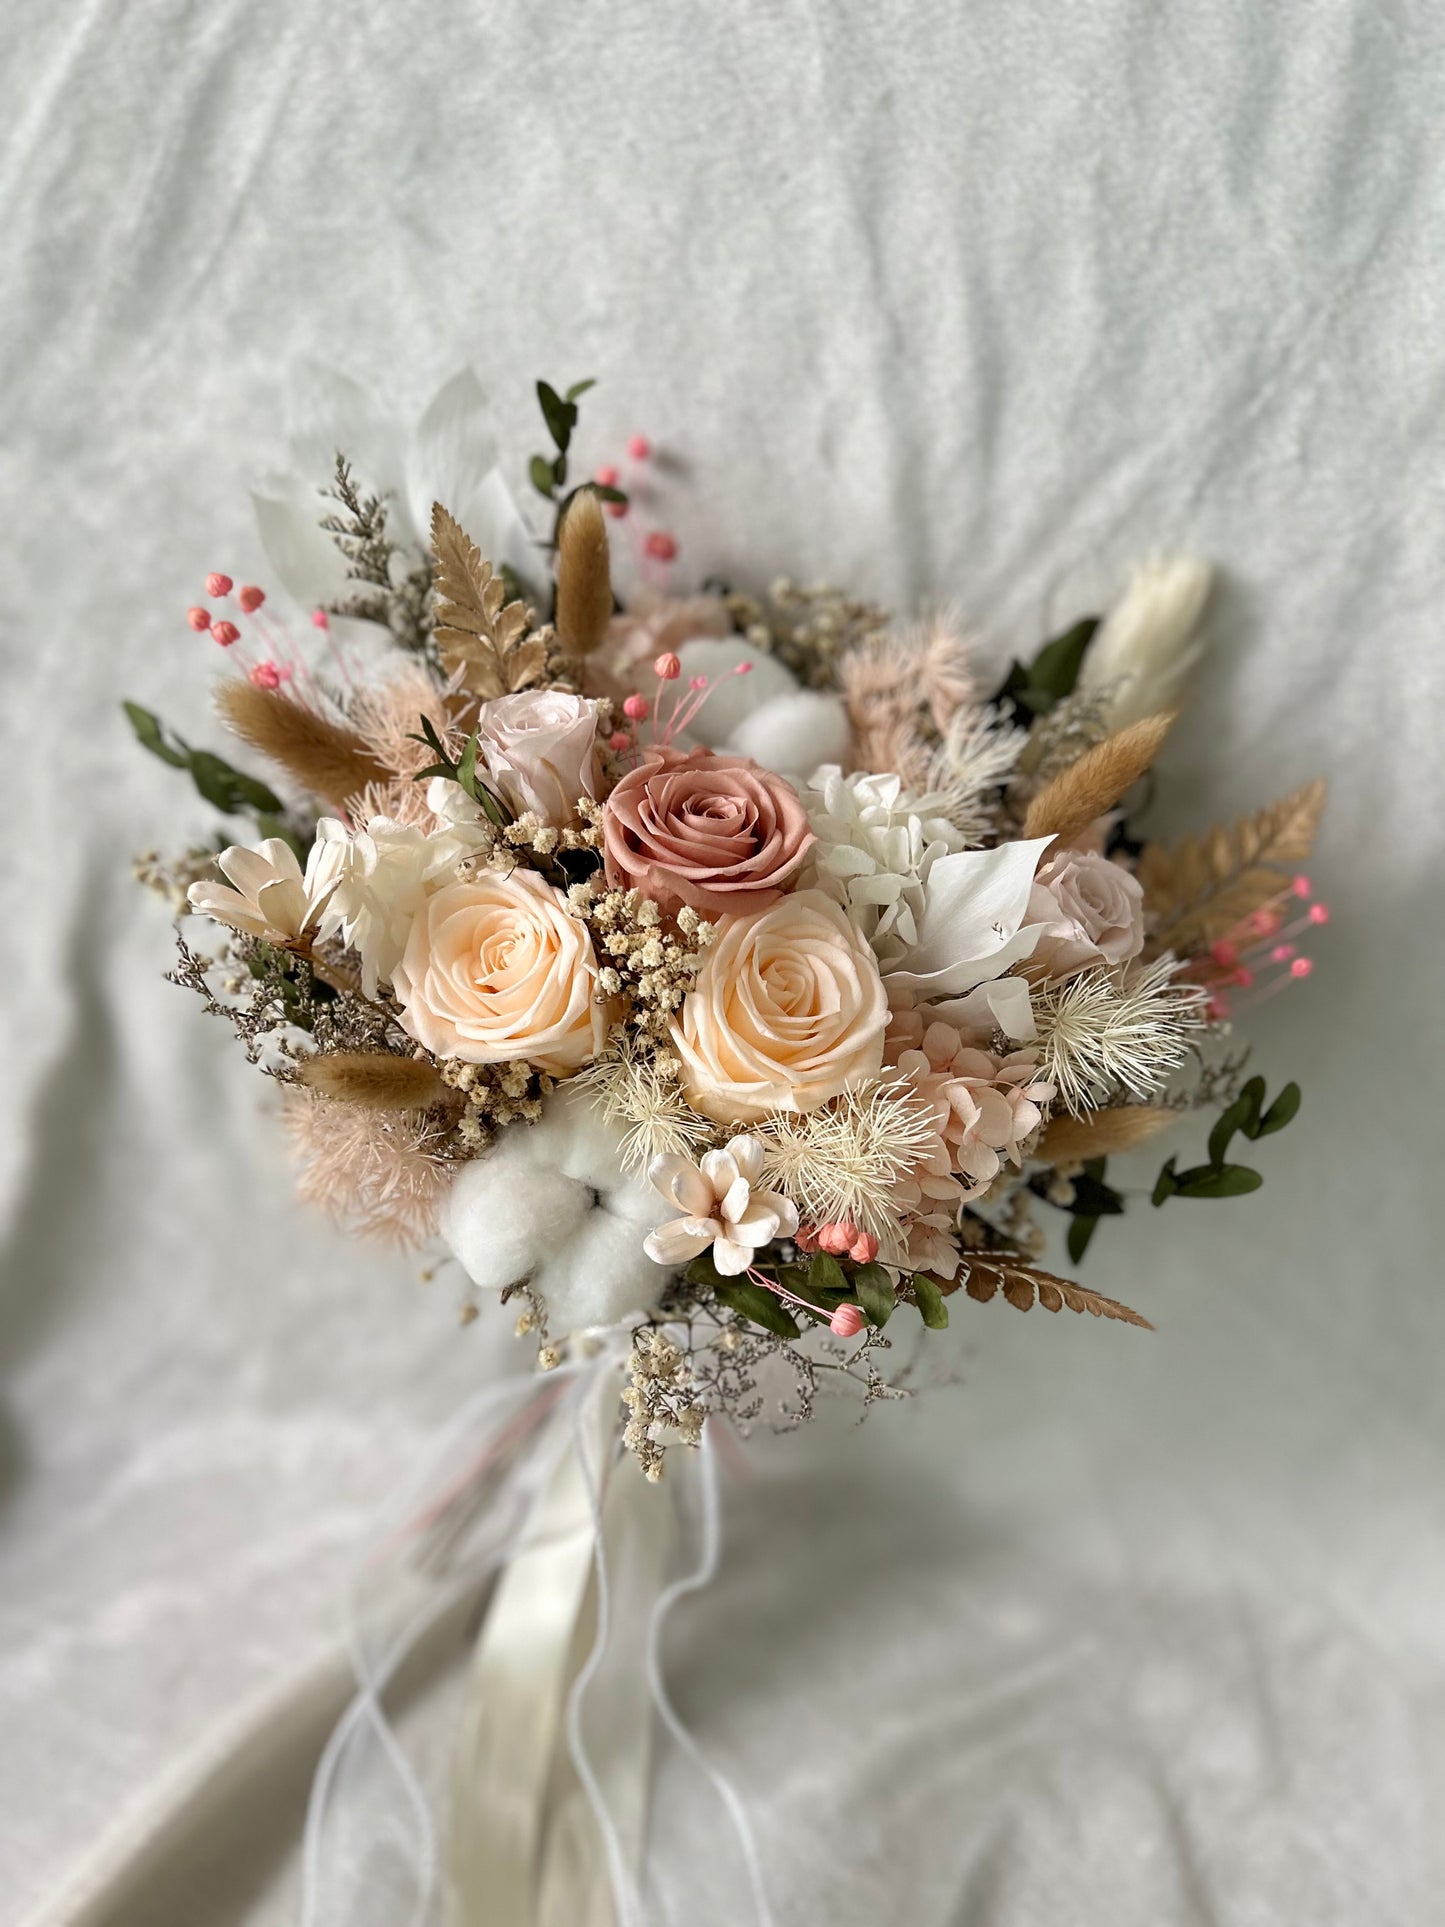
[(807, 629), (661, 1397), (646, 962), (493, 1095)]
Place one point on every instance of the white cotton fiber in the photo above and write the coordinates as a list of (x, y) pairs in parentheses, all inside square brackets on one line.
[(549, 1202), (793, 733), (731, 697)]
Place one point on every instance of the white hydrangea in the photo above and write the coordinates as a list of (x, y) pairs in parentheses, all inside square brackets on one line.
[(876, 844), (377, 880)]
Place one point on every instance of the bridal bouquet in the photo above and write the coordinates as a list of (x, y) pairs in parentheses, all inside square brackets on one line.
[(741, 973)]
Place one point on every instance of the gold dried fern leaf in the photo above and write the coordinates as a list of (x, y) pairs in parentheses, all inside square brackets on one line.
[(584, 576), (1196, 891), (374, 1079), (1099, 1134), (478, 632), (1093, 784), (326, 757), (1023, 1284)]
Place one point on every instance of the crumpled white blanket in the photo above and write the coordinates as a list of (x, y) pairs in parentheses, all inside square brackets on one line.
[(943, 299)]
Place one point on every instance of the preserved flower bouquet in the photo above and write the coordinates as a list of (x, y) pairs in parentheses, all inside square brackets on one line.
[(741, 974)]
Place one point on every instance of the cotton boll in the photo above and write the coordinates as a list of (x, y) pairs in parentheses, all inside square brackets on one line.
[(731, 698), (793, 734), (550, 1203)]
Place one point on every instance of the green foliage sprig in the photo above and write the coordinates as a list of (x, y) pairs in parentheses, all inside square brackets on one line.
[(229, 790), (549, 472), (1219, 1178), (1033, 689)]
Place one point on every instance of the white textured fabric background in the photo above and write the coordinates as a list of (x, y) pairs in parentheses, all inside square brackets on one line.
[(933, 298)]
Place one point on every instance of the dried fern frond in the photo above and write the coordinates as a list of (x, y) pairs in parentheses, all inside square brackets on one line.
[(1023, 1284), (1099, 1134), (1197, 891), (479, 634), (1071, 801), (376, 1080), (326, 757), (584, 576)]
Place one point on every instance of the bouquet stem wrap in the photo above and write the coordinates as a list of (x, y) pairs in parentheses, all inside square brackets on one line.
[(550, 1773)]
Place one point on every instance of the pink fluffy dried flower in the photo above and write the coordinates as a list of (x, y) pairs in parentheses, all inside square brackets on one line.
[(377, 1174)]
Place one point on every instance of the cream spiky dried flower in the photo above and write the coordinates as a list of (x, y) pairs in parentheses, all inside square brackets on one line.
[(876, 844), (845, 1161), (978, 754), (640, 1091), (1109, 1031)]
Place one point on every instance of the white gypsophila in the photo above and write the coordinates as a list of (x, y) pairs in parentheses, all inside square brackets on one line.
[(378, 879), (1146, 645), (876, 845)]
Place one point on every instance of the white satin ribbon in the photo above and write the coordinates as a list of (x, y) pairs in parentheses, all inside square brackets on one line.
[(543, 1834)]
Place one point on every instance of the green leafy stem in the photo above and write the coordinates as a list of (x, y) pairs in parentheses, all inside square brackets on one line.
[(817, 1289), (226, 789)]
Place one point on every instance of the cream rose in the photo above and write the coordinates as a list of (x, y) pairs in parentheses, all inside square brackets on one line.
[(788, 1010), (540, 749), (1092, 911), (498, 968)]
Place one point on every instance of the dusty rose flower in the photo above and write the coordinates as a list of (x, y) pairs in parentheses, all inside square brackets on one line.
[(788, 1010), (716, 832), (986, 1106), (1092, 911), (498, 968), (540, 749)]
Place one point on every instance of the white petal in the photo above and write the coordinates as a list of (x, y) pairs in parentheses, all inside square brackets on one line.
[(678, 1178), (747, 1154), (731, 1258), (781, 1208), (735, 1205), (757, 1226), (676, 1241), (969, 931), (720, 1171)]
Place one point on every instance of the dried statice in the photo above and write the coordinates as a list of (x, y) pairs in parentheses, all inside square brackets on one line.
[(1112, 1030), (396, 590)]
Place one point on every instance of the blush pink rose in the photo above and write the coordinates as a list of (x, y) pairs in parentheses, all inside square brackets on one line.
[(540, 749), (716, 832), (1091, 909), (497, 968)]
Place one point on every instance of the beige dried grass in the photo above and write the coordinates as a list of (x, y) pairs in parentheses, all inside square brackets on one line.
[(1094, 784)]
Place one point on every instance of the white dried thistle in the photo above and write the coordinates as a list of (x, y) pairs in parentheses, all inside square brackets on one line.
[(978, 754), (640, 1090), (845, 1160), (1108, 1031)]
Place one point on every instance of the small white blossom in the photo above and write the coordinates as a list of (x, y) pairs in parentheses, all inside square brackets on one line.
[(722, 1206)]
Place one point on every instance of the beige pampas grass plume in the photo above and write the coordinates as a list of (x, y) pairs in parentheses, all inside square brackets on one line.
[(584, 576), (1096, 781), (1099, 1134), (376, 1080), (327, 758), (1146, 646)]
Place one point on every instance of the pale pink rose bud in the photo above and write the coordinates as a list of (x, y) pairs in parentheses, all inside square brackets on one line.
[(199, 619), (847, 1321), (218, 585), (619, 739), (539, 746), (225, 633), (251, 598)]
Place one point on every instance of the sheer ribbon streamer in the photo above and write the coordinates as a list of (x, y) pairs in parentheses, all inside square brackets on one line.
[(550, 1774)]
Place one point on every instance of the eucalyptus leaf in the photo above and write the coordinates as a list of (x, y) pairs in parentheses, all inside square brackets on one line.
[(1080, 1233), (540, 470), (605, 493), (875, 1293), (1283, 1111), (930, 1300), (760, 1306), (579, 388), (1217, 1181), (559, 415), (1164, 1184), (150, 733), (826, 1274)]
